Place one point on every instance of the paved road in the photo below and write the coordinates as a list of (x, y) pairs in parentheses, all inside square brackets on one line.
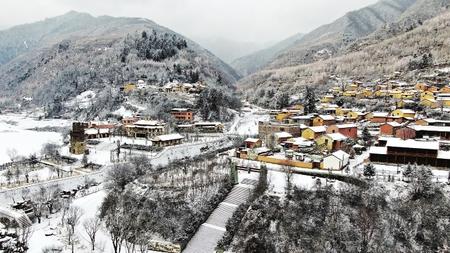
[(210, 232)]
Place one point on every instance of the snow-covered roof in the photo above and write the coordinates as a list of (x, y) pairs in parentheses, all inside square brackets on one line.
[(360, 113), (90, 131), (326, 117), (443, 155), (431, 128), (207, 123), (168, 137), (261, 150), (342, 126), (413, 144), (300, 141), (378, 150), (180, 109), (341, 155), (406, 111), (337, 136), (318, 129), (380, 114), (147, 123), (394, 124), (283, 135), (253, 140), (431, 120), (302, 117)]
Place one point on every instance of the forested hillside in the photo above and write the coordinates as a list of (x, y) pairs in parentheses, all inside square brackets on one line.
[(78, 53), (405, 217), (414, 53)]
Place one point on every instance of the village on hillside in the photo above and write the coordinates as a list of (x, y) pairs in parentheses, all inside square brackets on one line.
[(194, 127), (327, 136)]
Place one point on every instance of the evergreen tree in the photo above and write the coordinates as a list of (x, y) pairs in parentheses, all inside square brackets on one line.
[(310, 100), (84, 160), (366, 136), (369, 171), (408, 171)]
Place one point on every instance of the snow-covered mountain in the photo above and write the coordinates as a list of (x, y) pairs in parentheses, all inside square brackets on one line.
[(76, 52), (255, 61), (359, 45)]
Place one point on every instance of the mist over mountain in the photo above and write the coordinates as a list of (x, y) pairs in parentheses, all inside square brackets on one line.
[(230, 50), (252, 62)]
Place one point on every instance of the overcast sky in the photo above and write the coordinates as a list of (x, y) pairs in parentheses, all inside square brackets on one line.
[(239, 20)]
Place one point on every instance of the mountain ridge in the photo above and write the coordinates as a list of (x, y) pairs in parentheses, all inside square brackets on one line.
[(65, 56)]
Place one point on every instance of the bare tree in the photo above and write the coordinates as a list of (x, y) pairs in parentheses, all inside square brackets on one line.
[(50, 149), (114, 223), (288, 173), (73, 216), (91, 227)]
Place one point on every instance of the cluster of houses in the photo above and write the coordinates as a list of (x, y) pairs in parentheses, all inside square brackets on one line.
[(141, 127), (170, 87), (405, 94), (326, 139)]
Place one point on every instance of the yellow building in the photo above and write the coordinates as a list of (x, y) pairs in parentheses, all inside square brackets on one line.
[(129, 87), (77, 147), (443, 101), (405, 113), (367, 93), (396, 94), (426, 95), (421, 86), (408, 95), (404, 102), (350, 93), (297, 107), (445, 89), (381, 93), (331, 142), (356, 115), (429, 102), (342, 112), (280, 117), (312, 133), (327, 99), (352, 87)]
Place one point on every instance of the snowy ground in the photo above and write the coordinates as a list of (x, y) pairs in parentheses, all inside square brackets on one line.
[(17, 139), (89, 204), (247, 123)]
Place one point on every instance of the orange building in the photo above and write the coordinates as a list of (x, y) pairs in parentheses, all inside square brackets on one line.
[(182, 114), (390, 128), (348, 130)]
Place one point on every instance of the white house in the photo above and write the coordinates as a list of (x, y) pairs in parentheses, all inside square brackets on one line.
[(336, 161), (141, 84)]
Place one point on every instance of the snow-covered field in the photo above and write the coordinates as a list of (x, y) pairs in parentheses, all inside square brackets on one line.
[(89, 204), (17, 139), (247, 123)]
